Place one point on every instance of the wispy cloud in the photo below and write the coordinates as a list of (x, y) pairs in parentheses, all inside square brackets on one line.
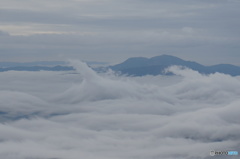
[(87, 115)]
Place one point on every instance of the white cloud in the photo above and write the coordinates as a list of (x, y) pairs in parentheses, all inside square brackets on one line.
[(88, 115)]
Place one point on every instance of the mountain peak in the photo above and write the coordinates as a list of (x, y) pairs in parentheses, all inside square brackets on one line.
[(140, 66), (165, 56), (165, 60)]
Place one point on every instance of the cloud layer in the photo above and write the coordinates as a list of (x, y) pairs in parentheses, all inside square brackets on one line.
[(52, 115)]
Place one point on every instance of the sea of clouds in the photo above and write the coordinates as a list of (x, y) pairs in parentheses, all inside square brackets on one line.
[(82, 114)]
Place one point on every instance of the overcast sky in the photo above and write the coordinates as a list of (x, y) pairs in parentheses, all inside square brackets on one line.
[(206, 31)]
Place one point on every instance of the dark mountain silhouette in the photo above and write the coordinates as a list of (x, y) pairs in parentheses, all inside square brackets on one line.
[(140, 66), (37, 68), (30, 64), (43, 65), (136, 66)]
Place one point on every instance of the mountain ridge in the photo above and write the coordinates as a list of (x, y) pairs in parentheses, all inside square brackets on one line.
[(134, 66), (140, 66)]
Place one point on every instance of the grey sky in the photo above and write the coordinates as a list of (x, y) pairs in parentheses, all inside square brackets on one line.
[(206, 31)]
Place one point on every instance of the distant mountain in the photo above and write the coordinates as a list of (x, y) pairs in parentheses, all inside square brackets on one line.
[(136, 66), (140, 66), (43, 65), (47, 63), (37, 68), (36, 63)]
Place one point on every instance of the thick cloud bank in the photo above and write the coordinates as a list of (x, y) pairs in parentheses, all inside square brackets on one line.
[(59, 115)]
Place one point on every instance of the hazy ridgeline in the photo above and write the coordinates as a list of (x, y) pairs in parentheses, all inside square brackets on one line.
[(62, 115)]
